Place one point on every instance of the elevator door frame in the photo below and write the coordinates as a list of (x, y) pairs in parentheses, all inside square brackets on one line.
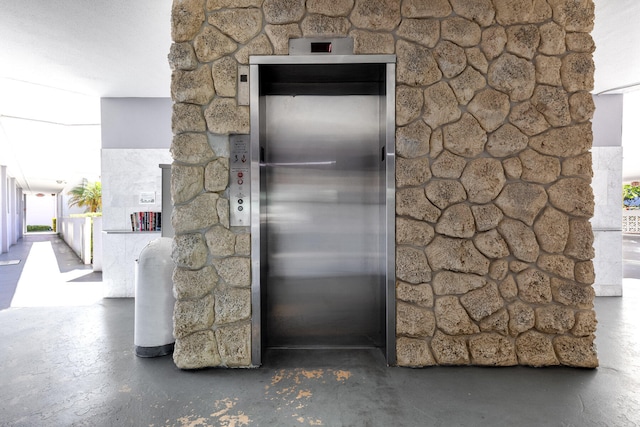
[(258, 223)]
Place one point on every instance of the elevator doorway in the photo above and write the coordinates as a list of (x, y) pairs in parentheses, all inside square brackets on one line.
[(322, 177)]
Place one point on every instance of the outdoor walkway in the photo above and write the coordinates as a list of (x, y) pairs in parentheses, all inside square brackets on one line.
[(63, 365)]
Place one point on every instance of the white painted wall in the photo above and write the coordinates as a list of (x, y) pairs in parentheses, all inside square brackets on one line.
[(40, 210)]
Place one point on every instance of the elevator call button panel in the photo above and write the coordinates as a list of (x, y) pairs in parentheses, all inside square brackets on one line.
[(239, 180)]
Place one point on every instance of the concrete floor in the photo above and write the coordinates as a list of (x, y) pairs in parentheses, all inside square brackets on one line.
[(75, 366)]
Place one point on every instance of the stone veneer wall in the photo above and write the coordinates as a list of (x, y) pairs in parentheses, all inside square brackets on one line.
[(494, 244)]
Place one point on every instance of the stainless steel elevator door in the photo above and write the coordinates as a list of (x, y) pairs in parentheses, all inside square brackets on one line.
[(324, 221)]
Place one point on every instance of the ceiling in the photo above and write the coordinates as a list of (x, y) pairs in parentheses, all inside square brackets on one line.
[(57, 58)]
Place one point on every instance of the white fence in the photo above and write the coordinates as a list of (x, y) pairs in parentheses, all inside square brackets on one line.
[(76, 232), (631, 221)]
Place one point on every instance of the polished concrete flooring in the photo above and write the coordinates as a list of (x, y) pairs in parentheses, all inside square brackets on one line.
[(72, 364)]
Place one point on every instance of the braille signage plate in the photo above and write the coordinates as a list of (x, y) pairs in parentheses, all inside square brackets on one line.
[(239, 180)]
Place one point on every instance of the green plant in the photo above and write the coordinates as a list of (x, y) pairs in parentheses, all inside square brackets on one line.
[(55, 224), (88, 194), (31, 228)]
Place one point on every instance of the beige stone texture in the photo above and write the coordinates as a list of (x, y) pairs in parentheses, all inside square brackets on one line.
[(315, 25), (585, 272), (520, 239), (483, 302), (522, 201), (510, 12), (523, 40), (211, 44), (448, 165), (451, 58), (189, 251), (491, 244), (456, 221), (444, 193), (514, 76), (558, 265), (221, 241), (216, 175), (437, 143), (193, 87), (498, 270), (465, 137), (196, 351), (186, 18), (576, 352), (197, 215), (225, 76), (283, 11), (413, 140), (192, 148), (409, 102), (577, 72), (487, 216), (477, 60), (451, 317), (580, 42), (490, 108), (413, 202), (239, 24), (450, 350), (451, 283), (480, 11), (575, 15), (573, 196), (582, 106), (414, 321), (497, 322), (459, 255), (420, 294), (234, 344), (423, 31), (186, 182), (412, 172), (222, 207), (279, 36), (243, 244), (461, 31), (187, 118), (554, 319), (258, 46), (506, 141), (232, 305), (225, 117), (440, 105), (235, 271), (494, 40), (539, 168), (330, 7), (491, 349), (522, 318), (534, 286), (221, 4), (182, 57), (483, 179), (189, 284), (580, 241), (191, 316), (535, 349), (529, 120), (518, 266), (412, 232), (369, 42), (548, 70), (508, 287), (552, 230), (552, 39), (413, 352), (219, 144), (412, 265), (467, 84), (425, 9), (416, 65), (512, 168), (553, 103), (572, 294), (565, 141), (586, 323), (376, 14)]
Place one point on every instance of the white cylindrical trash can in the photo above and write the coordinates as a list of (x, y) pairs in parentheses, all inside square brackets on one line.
[(154, 300)]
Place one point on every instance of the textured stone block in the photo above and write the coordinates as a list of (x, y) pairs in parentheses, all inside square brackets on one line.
[(448, 165), (193, 87), (186, 182), (369, 42), (490, 108), (221, 241), (411, 232), (586, 324), (216, 175), (523, 40), (191, 316), (553, 103), (552, 39), (189, 284), (497, 322), (257, 46), (182, 57), (420, 294), (222, 208), (212, 44), (577, 352), (224, 116), (514, 76), (572, 294), (220, 4), (451, 58), (235, 271), (437, 143), (444, 193), (234, 345), (414, 321), (189, 251), (243, 244), (412, 265), (535, 349), (423, 31), (196, 351), (498, 269), (487, 216), (413, 352), (232, 305), (283, 11), (467, 84), (530, 121), (557, 264), (330, 7), (520, 239), (187, 118), (416, 65), (554, 319), (491, 349), (456, 255), (480, 11), (376, 14), (482, 302), (191, 148), (508, 287), (522, 318), (239, 24), (564, 142), (577, 72), (548, 70), (279, 36), (315, 25), (506, 141), (539, 168), (573, 196), (460, 31), (409, 102), (450, 350), (534, 286), (491, 244), (477, 60), (423, 9), (552, 230), (412, 202), (494, 40), (456, 221), (512, 168), (451, 283), (186, 18), (585, 273), (483, 179), (196, 215), (522, 201), (412, 172), (465, 137), (582, 106), (452, 318), (413, 140), (440, 105), (580, 240), (576, 15), (225, 76)]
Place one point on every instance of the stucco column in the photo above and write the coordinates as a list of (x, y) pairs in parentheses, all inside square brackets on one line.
[(4, 224)]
